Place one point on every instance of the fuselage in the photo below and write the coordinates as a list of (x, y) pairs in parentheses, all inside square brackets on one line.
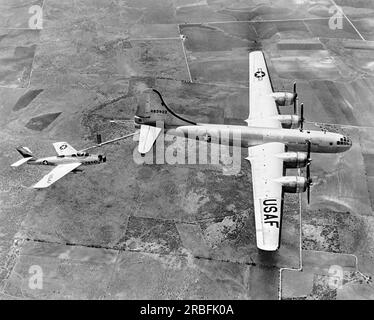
[(84, 159), (248, 136)]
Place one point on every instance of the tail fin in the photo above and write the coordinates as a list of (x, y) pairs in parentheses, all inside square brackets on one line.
[(25, 152), (152, 108)]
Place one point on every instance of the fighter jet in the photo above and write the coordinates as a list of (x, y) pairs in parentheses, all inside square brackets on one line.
[(67, 160), (275, 142)]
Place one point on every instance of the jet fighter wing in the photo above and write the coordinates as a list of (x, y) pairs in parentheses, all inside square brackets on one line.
[(262, 107), (56, 174), (64, 149), (267, 193)]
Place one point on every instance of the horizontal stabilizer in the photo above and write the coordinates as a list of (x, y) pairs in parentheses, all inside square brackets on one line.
[(21, 162), (147, 138)]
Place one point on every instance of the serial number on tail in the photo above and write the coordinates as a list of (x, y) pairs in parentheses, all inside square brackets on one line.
[(271, 211)]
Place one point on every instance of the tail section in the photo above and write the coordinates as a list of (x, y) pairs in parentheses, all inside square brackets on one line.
[(147, 138), (153, 109), (26, 154)]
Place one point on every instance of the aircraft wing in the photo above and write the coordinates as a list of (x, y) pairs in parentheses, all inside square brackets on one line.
[(56, 174), (262, 107), (147, 137), (267, 193), (64, 149)]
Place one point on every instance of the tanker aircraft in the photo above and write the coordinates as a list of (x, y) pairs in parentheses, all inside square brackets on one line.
[(275, 142)]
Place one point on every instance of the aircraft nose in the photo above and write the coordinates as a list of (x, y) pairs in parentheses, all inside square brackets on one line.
[(349, 141), (345, 143)]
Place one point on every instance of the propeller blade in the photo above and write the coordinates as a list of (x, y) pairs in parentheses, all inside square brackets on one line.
[(309, 182), (302, 117), (308, 178), (294, 99), (309, 147), (308, 194), (308, 173), (98, 138)]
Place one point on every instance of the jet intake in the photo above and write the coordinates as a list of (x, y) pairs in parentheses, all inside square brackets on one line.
[(294, 159), (293, 184)]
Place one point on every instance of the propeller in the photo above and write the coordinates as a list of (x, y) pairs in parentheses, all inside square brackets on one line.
[(309, 180), (302, 117), (294, 99)]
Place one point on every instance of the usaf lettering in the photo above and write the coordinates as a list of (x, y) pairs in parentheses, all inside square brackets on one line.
[(270, 208)]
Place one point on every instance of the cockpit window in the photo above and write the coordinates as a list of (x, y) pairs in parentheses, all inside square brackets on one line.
[(344, 141)]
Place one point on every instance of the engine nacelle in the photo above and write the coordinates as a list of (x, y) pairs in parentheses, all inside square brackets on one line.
[(284, 98), (294, 159), (289, 121), (293, 184)]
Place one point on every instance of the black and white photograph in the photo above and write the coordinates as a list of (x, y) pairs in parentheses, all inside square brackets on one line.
[(187, 150)]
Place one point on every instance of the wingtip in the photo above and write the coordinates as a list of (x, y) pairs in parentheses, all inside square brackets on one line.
[(268, 248), (36, 187)]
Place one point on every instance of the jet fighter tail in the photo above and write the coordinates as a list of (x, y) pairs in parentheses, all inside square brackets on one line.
[(26, 154)]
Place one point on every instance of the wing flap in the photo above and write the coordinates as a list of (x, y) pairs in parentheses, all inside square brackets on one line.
[(267, 193), (147, 138), (56, 174)]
